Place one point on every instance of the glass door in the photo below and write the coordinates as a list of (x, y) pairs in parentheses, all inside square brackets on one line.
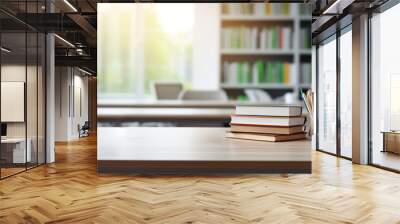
[(22, 77), (345, 55), (385, 89), (326, 96)]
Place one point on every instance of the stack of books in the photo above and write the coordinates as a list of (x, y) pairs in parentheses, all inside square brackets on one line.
[(267, 123), (272, 9), (266, 38), (261, 9)]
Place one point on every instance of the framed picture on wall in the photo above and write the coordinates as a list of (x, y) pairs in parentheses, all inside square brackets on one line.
[(12, 101)]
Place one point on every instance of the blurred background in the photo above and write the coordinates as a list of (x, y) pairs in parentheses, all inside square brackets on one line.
[(230, 47), (187, 64)]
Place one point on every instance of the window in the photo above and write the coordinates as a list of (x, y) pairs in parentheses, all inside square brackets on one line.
[(385, 88), (168, 43), (156, 45), (346, 93), (327, 96)]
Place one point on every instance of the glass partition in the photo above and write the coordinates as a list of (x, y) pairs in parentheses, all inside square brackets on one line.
[(23, 91), (346, 93), (385, 89), (41, 107), (14, 153), (326, 103), (31, 97)]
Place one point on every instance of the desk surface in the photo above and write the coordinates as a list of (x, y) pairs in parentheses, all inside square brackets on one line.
[(192, 144), (116, 113), (13, 140), (181, 103)]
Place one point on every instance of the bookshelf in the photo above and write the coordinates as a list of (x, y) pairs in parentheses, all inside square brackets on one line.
[(265, 46)]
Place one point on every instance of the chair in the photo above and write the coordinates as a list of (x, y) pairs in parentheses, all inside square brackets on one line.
[(84, 130), (167, 90), (257, 95), (212, 95)]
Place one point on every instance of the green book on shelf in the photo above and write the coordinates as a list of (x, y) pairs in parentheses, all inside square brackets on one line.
[(247, 72), (274, 38), (260, 71), (305, 41), (243, 73), (277, 72), (239, 73), (286, 8), (280, 72), (271, 72)]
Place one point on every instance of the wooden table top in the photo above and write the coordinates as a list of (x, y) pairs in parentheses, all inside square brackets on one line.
[(182, 103), (192, 144)]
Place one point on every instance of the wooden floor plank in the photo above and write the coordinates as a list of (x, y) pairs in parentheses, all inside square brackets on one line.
[(71, 191)]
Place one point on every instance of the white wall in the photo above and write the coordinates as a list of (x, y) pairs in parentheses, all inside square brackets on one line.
[(33, 125), (70, 83), (80, 109), (62, 81), (206, 46), (12, 73)]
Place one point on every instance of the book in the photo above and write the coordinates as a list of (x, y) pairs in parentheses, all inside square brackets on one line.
[(267, 120), (252, 38), (305, 73), (305, 38), (265, 137), (284, 111), (286, 69), (257, 72), (266, 129), (308, 98), (260, 69)]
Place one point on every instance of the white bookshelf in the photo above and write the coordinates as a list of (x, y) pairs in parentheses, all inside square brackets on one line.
[(295, 55), (271, 18), (305, 51), (256, 52), (253, 86), (305, 85)]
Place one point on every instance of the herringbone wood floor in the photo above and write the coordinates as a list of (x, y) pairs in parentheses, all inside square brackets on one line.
[(70, 191)]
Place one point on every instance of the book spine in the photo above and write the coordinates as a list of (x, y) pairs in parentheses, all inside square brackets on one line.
[(239, 73)]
